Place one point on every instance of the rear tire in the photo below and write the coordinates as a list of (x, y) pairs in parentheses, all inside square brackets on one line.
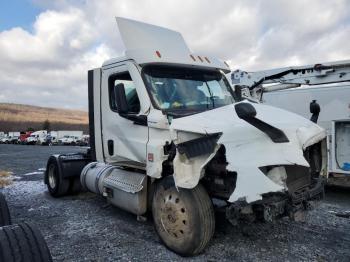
[(23, 242), (184, 218), (56, 184), (5, 218)]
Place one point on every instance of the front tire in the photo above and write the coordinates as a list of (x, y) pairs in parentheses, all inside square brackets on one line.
[(184, 218)]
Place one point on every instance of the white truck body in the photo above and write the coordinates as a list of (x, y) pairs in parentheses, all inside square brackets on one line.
[(67, 137), (335, 109), (62, 133), (136, 142), (165, 119), (69, 140), (5, 139), (37, 137), (12, 134)]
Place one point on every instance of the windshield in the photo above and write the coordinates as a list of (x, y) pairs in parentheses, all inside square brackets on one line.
[(174, 88)]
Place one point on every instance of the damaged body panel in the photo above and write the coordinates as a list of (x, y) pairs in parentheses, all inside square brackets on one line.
[(247, 148)]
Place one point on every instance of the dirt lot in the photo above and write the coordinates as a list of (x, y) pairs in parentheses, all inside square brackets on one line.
[(85, 228)]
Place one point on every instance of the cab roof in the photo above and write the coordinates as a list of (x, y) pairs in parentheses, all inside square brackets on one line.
[(149, 44)]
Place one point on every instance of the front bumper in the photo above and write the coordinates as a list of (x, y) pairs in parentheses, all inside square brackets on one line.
[(277, 205), (315, 192)]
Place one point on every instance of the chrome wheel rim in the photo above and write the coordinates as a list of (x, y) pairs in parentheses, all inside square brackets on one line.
[(52, 177)]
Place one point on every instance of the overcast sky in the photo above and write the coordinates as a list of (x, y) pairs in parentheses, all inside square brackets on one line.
[(46, 47)]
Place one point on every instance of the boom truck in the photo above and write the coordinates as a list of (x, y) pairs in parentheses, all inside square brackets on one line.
[(303, 88), (168, 135)]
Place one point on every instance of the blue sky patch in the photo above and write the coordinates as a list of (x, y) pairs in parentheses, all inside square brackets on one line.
[(18, 13)]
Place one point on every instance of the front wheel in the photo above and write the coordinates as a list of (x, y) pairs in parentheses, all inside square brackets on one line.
[(184, 218)]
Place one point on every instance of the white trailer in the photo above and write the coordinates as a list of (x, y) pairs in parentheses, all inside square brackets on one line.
[(12, 134), (167, 135), (295, 88), (63, 133)]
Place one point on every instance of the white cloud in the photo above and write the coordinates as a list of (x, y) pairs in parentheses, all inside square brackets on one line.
[(48, 66)]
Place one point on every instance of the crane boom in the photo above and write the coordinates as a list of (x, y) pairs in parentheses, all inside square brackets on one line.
[(253, 84)]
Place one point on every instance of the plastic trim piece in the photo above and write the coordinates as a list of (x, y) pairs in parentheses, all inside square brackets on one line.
[(247, 112), (199, 146)]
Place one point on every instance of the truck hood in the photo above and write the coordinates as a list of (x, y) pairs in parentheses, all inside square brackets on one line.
[(247, 148)]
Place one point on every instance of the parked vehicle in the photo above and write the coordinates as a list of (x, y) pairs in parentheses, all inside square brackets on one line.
[(23, 136), (84, 141), (37, 137), (5, 140), (13, 139), (334, 116), (9, 140), (69, 140), (168, 135)]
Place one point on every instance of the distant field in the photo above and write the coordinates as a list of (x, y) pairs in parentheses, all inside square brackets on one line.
[(17, 117)]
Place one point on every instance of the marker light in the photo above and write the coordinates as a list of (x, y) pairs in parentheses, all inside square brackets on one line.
[(158, 54), (200, 58), (206, 58), (194, 59)]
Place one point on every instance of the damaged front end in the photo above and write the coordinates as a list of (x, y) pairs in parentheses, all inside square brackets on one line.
[(257, 174)]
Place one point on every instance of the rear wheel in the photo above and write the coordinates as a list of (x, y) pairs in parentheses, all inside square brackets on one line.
[(184, 218), (23, 242), (5, 218), (56, 184)]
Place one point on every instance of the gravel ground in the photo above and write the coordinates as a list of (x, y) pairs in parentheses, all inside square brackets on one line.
[(85, 228)]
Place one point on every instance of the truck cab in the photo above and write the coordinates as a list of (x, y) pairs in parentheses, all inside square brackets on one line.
[(168, 135)]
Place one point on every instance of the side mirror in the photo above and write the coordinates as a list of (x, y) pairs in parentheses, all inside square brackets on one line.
[(122, 104), (245, 110)]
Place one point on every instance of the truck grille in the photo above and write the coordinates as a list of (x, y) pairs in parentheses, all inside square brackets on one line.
[(297, 177)]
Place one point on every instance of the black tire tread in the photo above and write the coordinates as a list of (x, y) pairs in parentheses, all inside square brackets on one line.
[(207, 215), (62, 184), (5, 218), (23, 242)]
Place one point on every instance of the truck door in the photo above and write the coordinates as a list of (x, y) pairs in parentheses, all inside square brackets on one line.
[(124, 139)]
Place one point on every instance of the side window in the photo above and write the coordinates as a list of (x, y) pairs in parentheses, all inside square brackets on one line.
[(130, 92)]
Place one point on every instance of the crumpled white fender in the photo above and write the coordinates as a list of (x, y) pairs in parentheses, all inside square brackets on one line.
[(247, 148)]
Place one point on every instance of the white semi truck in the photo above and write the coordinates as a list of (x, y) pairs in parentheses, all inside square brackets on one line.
[(168, 135), (296, 89)]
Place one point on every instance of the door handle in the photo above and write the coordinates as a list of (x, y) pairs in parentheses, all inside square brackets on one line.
[(110, 145)]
